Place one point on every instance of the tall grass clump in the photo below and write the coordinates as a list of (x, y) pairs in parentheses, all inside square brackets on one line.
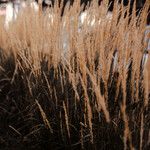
[(61, 86)]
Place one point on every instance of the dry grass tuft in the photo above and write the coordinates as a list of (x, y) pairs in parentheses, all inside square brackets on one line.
[(86, 77)]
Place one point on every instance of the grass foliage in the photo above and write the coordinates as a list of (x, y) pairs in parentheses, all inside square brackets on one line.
[(53, 97)]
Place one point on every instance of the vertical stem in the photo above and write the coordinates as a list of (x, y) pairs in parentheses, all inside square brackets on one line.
[(40, 6)]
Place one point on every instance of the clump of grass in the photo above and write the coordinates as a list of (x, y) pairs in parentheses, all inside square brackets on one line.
[(72, 97)]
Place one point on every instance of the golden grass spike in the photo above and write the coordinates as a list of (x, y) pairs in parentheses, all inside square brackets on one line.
[(44, 117), (100, 99), (88, 107), (66, 119), (146, 87), (141, 131)]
